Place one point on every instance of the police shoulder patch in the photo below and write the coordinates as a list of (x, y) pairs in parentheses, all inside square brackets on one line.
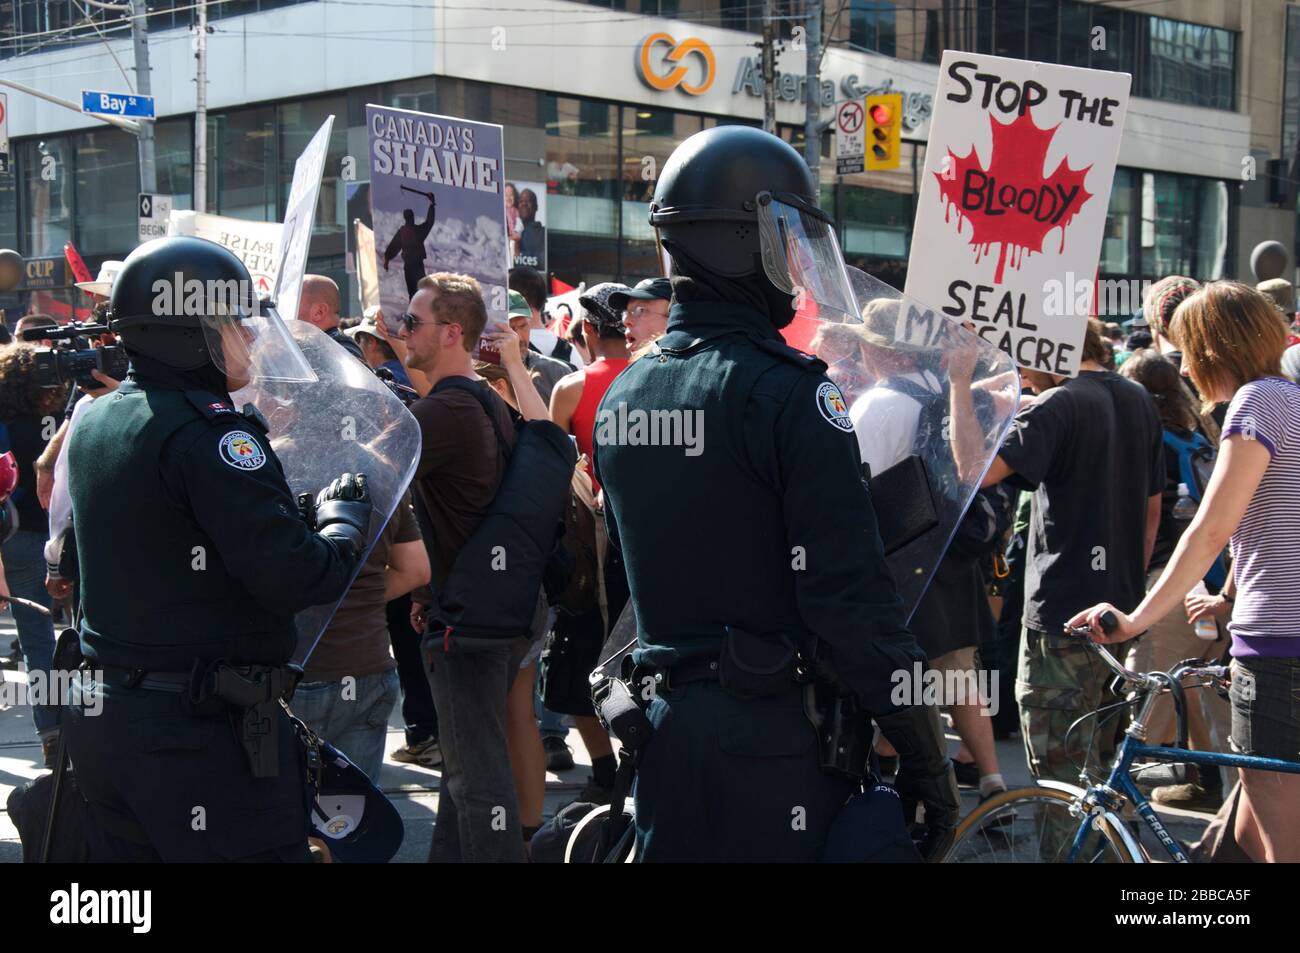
[(241, 450), (831, 405)]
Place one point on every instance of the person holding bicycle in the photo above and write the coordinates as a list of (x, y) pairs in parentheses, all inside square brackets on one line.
[(1232, 344)]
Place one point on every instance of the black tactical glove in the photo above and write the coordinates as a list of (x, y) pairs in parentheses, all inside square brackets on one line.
[(343, 512), (924, 774)]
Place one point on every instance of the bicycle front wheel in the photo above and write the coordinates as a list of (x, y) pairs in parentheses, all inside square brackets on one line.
[(1033, 826)]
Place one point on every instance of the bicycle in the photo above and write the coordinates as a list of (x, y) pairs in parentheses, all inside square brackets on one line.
[(1057, 822)]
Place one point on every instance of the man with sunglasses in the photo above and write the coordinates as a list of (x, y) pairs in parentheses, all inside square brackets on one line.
[(462, 461)]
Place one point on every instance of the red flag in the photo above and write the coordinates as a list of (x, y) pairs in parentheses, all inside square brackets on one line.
[(558, 287), (79, 269), (800, 332)]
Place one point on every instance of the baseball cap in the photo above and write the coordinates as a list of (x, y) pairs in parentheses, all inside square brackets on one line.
[(652, 289), (519, 306), (596, 303)]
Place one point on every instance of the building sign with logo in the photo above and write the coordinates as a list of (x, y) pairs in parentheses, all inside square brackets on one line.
[(43, 273), (664, 63)]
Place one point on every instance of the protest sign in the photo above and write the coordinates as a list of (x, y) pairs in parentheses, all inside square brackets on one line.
[(255, 243), (367, 280), (300, 220), (527, 225), (438, 204), (1013, 201)]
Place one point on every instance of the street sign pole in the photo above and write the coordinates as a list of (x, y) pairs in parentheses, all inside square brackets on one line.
[(145, 140)]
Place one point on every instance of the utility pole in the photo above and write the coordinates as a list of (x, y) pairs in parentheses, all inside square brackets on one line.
[(812, 146), (201, 112), (769, 69), (145, 140)]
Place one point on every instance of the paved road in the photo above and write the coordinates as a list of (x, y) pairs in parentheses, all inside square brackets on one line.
[(413, 789)]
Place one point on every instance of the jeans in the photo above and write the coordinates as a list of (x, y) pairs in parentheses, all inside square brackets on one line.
[(353, 718), (418, 713), (24, 559), (478, 812)]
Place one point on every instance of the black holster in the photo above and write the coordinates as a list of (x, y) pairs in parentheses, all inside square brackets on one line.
[(844, 731), (251, 695)]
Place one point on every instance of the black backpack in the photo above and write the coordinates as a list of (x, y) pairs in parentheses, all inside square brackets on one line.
[(489, 597)]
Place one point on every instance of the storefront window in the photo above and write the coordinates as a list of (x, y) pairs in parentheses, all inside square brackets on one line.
[(241, 164), (1117, 239), (583, 183), (107, 183), (174, 160), (649, 138), (1184, 226), (47, 190), (876, 210)]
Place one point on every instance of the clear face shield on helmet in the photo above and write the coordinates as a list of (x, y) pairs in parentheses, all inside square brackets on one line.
[(929, 400), (249, 343)]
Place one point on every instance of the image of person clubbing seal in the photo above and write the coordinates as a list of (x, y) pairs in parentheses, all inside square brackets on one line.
[(409, 241)]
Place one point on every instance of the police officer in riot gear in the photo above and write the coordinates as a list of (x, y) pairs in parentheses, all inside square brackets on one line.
[(194, 558), (763, 600)]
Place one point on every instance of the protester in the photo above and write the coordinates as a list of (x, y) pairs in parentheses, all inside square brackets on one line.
[(530, 283), (462, 461), (318, 305), (645, 310), (1173, 639), (1090, 449), (574, 404), (1282, 293), (1232, 343), (376, 351), (545, 371)]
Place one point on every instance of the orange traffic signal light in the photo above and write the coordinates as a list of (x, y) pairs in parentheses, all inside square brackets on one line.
[(884, 127)]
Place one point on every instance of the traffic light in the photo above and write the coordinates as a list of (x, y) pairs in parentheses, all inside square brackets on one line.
[(884, 125)]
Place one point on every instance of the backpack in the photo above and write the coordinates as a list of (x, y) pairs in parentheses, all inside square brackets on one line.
[(489, 597), (1196, 457), (986, 518)]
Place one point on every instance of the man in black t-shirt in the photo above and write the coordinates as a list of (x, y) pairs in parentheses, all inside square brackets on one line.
[(1090, 449)]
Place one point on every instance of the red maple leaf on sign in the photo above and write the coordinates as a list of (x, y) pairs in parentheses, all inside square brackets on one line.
[(1011, 203)]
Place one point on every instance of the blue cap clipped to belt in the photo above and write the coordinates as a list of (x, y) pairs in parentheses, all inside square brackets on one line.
[(354, 818), (870, 830)]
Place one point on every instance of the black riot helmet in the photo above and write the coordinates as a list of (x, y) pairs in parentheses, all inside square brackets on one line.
[(705, 204), (189, 303)]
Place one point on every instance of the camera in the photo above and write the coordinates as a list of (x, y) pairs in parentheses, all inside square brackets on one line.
[(71, 359)]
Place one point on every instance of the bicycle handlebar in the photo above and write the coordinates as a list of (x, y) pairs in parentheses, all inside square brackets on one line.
[(1108, 623)]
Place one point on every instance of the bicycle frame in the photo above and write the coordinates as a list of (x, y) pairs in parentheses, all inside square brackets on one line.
[(1120, 783)]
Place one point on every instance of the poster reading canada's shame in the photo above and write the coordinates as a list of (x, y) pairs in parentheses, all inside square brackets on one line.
[(437, 203), (1013, 201)]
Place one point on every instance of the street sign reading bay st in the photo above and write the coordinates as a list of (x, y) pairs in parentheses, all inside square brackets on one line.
[(117, 104)]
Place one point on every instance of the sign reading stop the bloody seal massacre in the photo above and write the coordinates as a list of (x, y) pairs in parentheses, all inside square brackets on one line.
[(850, 137), (299, 220), (1013, 201), (437, 201)]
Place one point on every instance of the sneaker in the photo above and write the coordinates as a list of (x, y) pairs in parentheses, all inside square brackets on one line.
[(1189, 797), (968, 775), (425, 753), (558, 756)]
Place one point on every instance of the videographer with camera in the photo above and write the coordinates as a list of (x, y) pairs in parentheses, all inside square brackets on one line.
[(30, 412)]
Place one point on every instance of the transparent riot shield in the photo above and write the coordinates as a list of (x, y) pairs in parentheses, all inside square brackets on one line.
[(346, 421), (929, 400)]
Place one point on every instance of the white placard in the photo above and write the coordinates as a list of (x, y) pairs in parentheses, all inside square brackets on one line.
[(299, 220), (1013, 201)]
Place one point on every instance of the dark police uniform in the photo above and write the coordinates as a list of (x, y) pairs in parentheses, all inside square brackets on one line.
[(767, 530), (191, 548)]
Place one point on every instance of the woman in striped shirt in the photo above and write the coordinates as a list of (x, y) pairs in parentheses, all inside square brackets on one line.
[(1232, 342)]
